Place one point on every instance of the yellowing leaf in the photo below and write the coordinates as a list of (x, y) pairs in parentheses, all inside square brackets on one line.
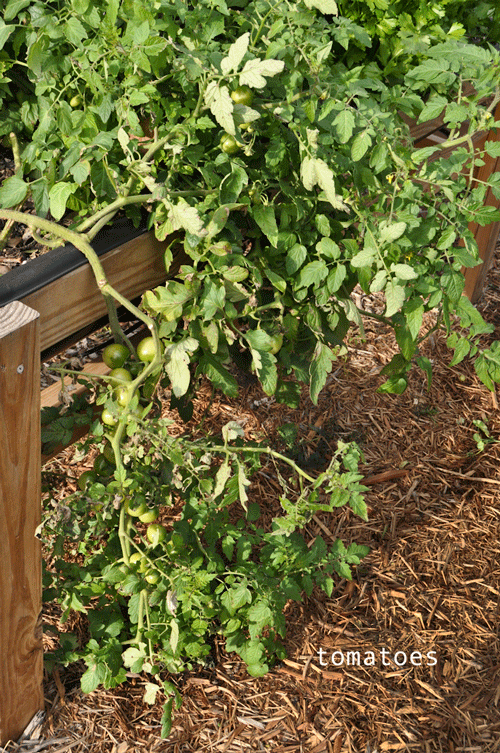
[(254, 71), (325, 6), (185, 216), (221, 105), (236, 54), (150, 691), (315, 171)]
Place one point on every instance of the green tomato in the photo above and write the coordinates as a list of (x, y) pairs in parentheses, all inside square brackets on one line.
[(242, 95), (156, 534), (115, 355), (276, 342), (139, 560), (152, 577), (122, 396), (150, 515), (75, 101), (119, 375), (137, 506), (146, 350), (109, 454), (108, 418), (228, 144), (86, 478), (102, 466)]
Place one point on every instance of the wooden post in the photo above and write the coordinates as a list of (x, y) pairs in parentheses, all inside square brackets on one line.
[(486, 235), (21, 650)]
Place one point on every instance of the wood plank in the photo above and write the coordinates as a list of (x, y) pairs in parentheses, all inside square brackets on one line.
[(21, 650), (74, 301), (422, 130), (50, 395), (50, 398), (487, 235)]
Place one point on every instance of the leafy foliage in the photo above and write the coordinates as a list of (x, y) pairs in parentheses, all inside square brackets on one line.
[(121, 106)]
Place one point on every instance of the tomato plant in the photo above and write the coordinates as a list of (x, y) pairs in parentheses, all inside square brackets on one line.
[(314, 188)]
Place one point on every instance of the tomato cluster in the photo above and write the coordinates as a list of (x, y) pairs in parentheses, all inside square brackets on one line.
[(135, 504), (117, 358)]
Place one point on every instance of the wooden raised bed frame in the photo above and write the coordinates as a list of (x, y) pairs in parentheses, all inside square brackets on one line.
[(27, 328), (34, 324)]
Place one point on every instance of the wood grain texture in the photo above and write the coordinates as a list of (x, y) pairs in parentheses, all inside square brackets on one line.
[(50, 398), (21, 653), (73, 301), (50, 395), (486, 235)]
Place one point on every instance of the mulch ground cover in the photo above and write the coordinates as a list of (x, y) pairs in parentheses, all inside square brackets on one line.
[(406, 656)]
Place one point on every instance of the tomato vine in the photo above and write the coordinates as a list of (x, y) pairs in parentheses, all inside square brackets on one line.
[(272, 137)]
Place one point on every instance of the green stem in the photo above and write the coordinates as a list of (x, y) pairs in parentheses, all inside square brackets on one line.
[(16, 152), (123, 535), (373, 315), (81, 243)]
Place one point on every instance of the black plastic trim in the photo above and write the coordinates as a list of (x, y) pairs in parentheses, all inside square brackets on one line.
[(36, 273)]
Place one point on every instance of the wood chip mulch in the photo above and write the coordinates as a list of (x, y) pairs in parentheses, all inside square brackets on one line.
[(422, 611)]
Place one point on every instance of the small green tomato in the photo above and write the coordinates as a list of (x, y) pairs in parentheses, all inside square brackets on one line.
[(137, 506), (86, 478), (108, 418), (150, 515), (228, 144), (152, 577), (156, 534)]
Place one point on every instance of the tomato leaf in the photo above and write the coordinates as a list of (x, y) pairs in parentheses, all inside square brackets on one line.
[(254, 71), (237, 52), (221, 105), (13, 191)]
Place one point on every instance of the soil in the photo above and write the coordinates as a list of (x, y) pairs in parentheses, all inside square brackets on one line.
[(422, 609)]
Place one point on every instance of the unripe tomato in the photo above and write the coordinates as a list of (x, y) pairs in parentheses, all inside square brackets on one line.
[(115, 355), (102, 467), (243, 95), (109, 454), (276, 342), (228, 144), (146, 350), (75, 101), (122, 396), (139, 560), (152, 577), (137, 506), (156, 534), (150, 515), (108, 418), (119, 376), (86, 478)]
